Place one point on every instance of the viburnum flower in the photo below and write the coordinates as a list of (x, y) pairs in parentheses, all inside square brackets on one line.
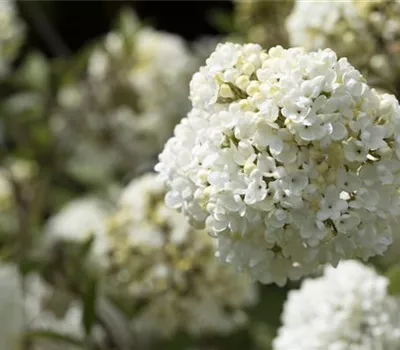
[(141, 98), (127, 100), (159, 262), (348, 308), (288, 158), (366, 32)]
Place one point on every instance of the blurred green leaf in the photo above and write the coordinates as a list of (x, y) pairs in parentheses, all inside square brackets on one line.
[(89, 305), (54, 336), (85, 248), (270, 306), (31, 265), (393, 274), (222, 20)]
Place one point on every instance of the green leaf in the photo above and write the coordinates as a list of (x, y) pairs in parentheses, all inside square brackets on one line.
[(54, 336), (89, 306), (85, 248), (393, 274), (222, 20), (31, 265)]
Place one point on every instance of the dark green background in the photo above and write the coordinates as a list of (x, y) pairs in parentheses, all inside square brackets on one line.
[(78, 22)]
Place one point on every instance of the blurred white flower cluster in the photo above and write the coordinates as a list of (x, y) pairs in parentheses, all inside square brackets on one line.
[(11, 35), (134, 93), (161, 263), (40, 316), (348, 308), (289, 158), (27, 306), (77, 222), (154, 68), (366, 32)]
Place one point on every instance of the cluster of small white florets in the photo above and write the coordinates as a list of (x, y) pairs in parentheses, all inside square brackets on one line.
[(39, 316), (366, 32), (346, 309), (11, 34), (77, 222), (289, 159), (151, 70), (158, 260), (26, 309)]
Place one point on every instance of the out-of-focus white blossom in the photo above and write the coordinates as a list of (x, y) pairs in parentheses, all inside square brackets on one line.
[(77, 221), (288, 158), (25, 306), (132, 93), (39, 316), (160, 262), (141, 81), (346, 309), (11, 34), (366, 32)]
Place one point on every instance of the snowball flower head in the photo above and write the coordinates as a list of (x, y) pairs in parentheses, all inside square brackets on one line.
[(350, 27), (158, 260), (348, 308), (288, 158)]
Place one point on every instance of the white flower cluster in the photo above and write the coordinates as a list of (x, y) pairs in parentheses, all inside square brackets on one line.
[(141, 81), (40, 317), (158, 260), (11, 34), (346, 309), (288, 158), (26, 309), (350, 27), (77, 221)]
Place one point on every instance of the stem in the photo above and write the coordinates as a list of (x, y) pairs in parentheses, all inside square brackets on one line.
[(45, 29)]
